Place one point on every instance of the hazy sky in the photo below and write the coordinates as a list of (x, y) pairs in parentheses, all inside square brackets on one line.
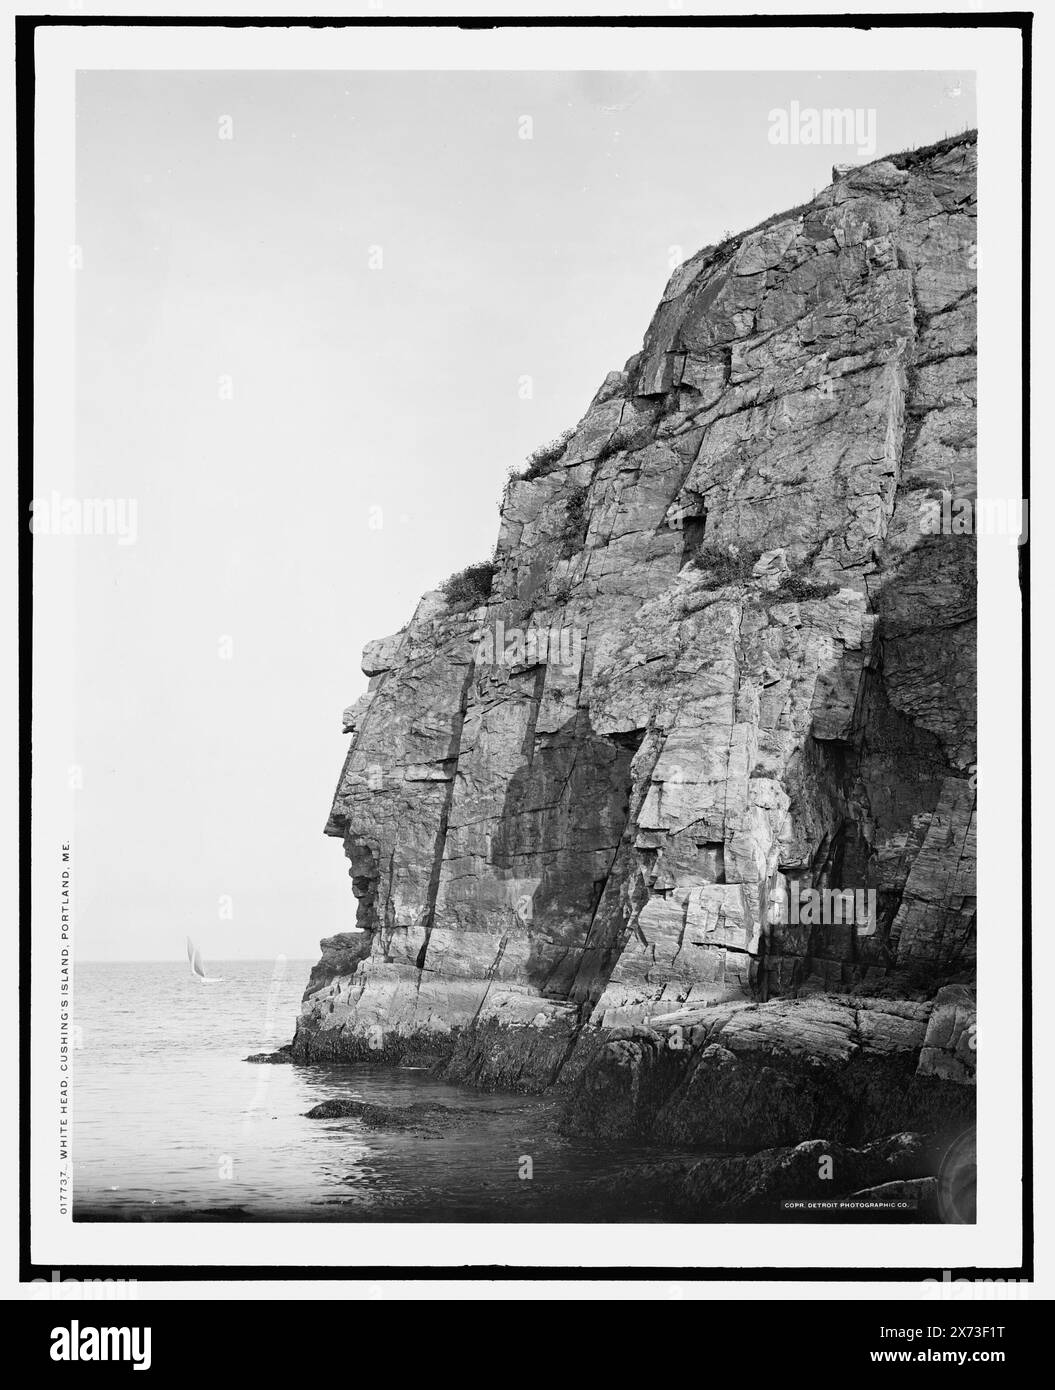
[(260, 388)]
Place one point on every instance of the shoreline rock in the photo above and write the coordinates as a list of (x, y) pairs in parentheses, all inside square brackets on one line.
[(761, 1075), (573, 866), (422, 1117), (280, 1057), (821, 1172)]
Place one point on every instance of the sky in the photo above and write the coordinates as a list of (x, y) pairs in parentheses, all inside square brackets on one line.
[(320, 317)]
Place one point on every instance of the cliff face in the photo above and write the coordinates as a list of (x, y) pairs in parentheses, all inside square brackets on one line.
[(722, 662)]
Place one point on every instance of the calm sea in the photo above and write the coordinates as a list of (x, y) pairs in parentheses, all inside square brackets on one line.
[(171, 1124)]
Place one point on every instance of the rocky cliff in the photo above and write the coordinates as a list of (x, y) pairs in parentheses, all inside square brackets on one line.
[(718, 665)]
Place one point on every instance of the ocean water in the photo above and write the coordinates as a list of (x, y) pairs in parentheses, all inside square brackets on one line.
[(170, 1123)]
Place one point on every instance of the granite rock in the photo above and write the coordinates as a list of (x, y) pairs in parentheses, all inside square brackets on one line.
[(819, 1171), (757, 680)]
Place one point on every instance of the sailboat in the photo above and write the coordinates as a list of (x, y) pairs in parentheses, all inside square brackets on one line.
[(198, 967)]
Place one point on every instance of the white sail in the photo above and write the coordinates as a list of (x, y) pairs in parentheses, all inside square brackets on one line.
[(197, 965)]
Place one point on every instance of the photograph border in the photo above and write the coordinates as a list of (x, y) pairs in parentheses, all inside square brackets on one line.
[(25, 34)]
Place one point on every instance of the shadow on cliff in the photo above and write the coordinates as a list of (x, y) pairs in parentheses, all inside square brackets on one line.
[(562, 823), (860, 806), (874, 793)]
